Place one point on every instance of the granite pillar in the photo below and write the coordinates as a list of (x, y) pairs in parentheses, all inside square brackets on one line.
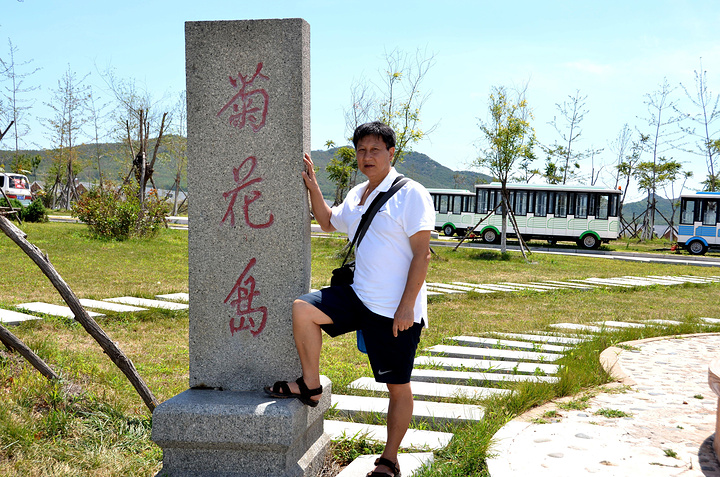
[(248, 116)]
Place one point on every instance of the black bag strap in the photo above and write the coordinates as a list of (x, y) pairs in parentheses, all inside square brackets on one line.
[(374, 207)]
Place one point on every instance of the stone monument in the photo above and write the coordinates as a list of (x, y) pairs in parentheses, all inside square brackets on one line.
[(248, 115)]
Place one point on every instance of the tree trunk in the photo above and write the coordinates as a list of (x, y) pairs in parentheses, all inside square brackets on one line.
[(82, 316)]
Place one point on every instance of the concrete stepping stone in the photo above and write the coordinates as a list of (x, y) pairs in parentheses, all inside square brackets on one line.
[(654, 280), (602, 281), (53, 310), (432, 412), (490, 287), (9, 317), (434, 293), (575, 326), (514, 367), (410, 464), (527, 286), (131, 300), (442, 289), (175, 297), (701, 279), (465, 377), (664, 322), (452, 287), (713, 321), (676, 280), (413, 438), (501, 354), (425, 390), (621, 324), (104, 305), (507, 344), (553, 339), (566, 285)]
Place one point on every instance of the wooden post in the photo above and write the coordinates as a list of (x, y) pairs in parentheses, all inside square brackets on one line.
[(14, 343), (82, 316)]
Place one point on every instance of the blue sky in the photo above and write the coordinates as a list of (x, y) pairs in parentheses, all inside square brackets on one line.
[(615, 52)]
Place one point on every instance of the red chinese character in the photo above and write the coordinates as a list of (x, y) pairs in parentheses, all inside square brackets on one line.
[(245, 103), (252, 319), (250, 197)]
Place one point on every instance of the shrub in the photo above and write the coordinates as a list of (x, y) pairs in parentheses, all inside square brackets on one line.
[(112, 213), (35, 212)]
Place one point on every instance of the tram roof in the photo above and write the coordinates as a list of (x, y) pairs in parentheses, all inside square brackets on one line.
[(549, 187)]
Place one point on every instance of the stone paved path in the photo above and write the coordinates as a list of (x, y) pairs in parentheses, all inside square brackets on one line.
[(667, 429)]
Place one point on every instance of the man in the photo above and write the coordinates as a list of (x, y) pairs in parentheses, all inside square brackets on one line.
[(388, 299)]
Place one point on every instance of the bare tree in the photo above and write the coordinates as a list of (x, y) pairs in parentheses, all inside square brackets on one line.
[(661, 108), (402, 98), (69, 103), (17, 106), (563, 158), (701, 125)]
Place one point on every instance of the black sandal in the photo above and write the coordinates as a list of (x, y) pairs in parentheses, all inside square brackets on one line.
[(393, 466), (281, 390)]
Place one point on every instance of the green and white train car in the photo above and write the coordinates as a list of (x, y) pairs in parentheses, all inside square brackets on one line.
[(584, 214)]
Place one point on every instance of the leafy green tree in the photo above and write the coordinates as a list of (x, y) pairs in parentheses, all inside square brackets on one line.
[(651, 176), (340, 170), (507, 137)]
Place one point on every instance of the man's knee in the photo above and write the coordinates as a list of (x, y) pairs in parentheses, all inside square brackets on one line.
[(305, 313), (400, 391)]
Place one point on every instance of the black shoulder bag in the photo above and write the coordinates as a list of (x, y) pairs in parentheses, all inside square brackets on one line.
[(345, 274)]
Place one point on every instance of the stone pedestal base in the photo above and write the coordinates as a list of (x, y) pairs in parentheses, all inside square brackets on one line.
[(213, 433)]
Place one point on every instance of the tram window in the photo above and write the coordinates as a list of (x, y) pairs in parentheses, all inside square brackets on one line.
[(613, 209), (482, 201), (551, 203), (469, 204), (493, 199), (561, 204), (710, 212), (541, 204), (443, 204), (581, 208), (603, 204), (571, 203), (457, 204), (521, 205), (687, 211), (531, 202)]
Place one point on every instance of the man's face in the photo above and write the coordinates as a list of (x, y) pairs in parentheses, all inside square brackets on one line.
[(374, 158)]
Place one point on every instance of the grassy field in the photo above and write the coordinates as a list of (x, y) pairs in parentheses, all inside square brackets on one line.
[(94, 423)]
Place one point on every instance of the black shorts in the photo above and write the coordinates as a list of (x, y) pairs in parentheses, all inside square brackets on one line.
[(391, 358)]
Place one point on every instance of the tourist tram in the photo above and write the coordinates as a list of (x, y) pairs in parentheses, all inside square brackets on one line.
[(584, 214), (699, 227)]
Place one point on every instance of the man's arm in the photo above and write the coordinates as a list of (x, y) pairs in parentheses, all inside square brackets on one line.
[(420, 246), (320, 209)]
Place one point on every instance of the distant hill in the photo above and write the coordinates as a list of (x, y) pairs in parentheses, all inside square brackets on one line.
[(416, 166), (635, 209), (115, 162)]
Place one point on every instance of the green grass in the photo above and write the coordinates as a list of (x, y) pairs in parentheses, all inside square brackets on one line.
[(100, 427)]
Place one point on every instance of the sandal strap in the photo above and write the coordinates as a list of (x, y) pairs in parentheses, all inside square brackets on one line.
[(304, 391), (281, 387), (389, 464)]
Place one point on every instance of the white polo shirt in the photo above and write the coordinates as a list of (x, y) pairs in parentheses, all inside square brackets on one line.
[(383, 258)]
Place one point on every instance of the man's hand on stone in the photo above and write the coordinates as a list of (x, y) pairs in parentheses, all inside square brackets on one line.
[(309, 173)]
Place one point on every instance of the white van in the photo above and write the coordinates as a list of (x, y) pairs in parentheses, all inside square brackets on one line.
[(16, 186)]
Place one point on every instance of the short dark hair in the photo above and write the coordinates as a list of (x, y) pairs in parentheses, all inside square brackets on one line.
[(375, 128)]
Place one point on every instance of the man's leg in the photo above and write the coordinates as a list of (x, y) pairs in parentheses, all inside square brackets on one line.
[(398, 420), (308, 340)]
